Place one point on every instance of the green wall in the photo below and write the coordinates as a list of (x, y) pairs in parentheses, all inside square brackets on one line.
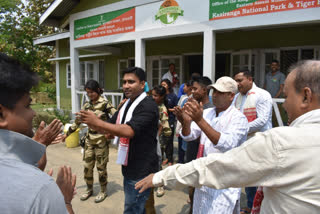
[(83, 6), (175, 46), (234, 41), (64, 48), (269, 38), (111, 74), (65, 93)]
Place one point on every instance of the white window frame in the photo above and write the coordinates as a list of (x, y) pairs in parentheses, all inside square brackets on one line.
[(101, 78), (119, 69), (241, 53), (150, 59), (95, 70), (263, 62), (68, 70)]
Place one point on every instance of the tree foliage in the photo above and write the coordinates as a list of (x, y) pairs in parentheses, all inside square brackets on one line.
[(8, 5), (19, 26)]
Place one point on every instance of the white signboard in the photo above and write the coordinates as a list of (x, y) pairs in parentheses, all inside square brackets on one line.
[(171, 13)]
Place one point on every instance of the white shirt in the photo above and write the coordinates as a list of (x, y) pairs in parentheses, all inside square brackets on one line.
[(233, 127), (284, 160), (263, 108), (168, 76)]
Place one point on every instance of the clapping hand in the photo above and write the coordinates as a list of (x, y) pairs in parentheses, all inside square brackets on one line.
[(47, 135), (66, 181), (193, 109), (180, 114)]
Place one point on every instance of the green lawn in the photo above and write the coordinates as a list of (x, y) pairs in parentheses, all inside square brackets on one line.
[(42, 107)]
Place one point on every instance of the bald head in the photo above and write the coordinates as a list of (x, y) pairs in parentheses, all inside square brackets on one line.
[(307, 74), (302, 89)]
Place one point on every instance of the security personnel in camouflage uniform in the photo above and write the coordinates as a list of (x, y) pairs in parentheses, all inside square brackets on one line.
[(96, 148), (164, 121)]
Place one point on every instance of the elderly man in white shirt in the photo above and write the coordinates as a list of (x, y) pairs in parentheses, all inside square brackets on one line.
[(256, 104), (284, 160), (227, 129)]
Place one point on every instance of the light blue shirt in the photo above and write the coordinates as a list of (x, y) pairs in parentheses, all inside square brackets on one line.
[(24, 187)]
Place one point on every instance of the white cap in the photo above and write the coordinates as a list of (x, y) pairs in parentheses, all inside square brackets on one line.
[(225, 84)]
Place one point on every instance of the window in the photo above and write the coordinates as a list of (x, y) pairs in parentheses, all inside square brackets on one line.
[(269, 56), (101, 73), (155, 72), (160, 66), (289, 57), (242, 60), (307, 53), (82, 73), (68, 76), (122, 65), (88, 70)]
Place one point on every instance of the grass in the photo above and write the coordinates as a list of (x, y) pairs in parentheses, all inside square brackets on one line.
[(47, 113), (38, 107)]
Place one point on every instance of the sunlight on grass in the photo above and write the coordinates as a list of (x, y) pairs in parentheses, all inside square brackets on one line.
[(42, 107)]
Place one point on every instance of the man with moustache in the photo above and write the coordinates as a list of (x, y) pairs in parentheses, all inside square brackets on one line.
[(228, 129)]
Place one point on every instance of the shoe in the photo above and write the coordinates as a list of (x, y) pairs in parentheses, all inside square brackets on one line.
[(160, 192), (100, 197), (86, 195), (164, 162)]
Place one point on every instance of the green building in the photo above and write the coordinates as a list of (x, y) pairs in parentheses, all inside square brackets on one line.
[(212, 37)]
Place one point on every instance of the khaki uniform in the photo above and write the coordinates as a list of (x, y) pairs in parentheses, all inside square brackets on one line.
[(96, 146), (164, 120)]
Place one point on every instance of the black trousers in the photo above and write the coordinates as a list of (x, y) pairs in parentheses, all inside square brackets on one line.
[(167, 144), (192, 150)]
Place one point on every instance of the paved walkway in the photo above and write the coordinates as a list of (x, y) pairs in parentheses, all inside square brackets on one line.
[(174, 201)]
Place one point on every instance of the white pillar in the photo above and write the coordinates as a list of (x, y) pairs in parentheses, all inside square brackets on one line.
[(57, 76), (75, 79), (140, 53), (209, 54)]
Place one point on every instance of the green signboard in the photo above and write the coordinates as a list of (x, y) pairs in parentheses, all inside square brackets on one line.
[(221, 9), (115, 22)]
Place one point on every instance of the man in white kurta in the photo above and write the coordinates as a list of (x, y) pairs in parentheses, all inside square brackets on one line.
[(284, 160), (233, 127)]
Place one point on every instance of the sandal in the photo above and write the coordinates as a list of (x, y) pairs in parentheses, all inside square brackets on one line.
[(100, 197), (245, 210), (86, 195)]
